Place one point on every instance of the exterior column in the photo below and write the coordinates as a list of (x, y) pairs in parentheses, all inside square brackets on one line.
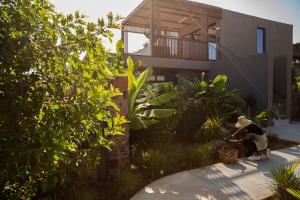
[(270, 82), (124, 38), (204, 38), (289, 88), (153, 24)]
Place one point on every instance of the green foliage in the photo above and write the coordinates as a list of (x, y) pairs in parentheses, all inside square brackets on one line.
[(55, 91), (217, 100), (296, 83), (141, 114), (198, 155), (295, 79), (266, 117), (128, 181), (263, 116), (286, 184), (211, 130), (191, 88), (294, 193), (171, 158), (163, 132), (211, 99), (155, 162)]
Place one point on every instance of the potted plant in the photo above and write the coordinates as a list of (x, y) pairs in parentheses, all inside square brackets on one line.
[(278, 115)]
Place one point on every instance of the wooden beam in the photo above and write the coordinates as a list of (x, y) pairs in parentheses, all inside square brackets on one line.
[(140, 6), (147, 26), (189, 29), (161, 20), (191, 8), (179, 12)]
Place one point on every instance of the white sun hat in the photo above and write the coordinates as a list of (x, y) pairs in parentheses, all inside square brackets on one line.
[(242, 122)]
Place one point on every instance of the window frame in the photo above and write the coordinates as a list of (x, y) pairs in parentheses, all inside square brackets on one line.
[(263, 38)]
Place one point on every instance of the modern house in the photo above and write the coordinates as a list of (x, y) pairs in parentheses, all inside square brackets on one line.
[(188, 38)]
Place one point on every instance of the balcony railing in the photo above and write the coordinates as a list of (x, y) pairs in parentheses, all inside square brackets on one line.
[(171, 47)]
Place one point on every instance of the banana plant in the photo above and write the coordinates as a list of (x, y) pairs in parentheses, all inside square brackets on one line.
[(141, 115)]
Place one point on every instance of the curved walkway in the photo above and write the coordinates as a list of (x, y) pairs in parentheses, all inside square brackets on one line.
[(241, 181)]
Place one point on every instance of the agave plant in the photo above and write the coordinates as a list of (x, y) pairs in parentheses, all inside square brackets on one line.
[(286, 184), (142, 114)]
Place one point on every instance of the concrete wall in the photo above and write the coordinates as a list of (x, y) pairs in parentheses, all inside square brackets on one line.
[(238, 33), (250, 75), (238, 58)]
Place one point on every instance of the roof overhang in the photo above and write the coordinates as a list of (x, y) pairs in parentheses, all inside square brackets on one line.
[(173, 14)]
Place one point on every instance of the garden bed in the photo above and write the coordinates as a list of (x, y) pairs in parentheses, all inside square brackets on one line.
[(109, 190)]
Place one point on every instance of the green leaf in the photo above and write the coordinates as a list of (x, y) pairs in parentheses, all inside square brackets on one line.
[(137, 123), (130, 65), (295, 193), (136, 87), (162, 99), (119, 47), (158, 113), (77, 15)]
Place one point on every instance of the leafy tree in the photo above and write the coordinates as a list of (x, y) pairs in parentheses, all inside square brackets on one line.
[(54, 93)]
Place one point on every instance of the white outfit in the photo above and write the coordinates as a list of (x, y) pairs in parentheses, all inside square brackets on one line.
[(261, 141)]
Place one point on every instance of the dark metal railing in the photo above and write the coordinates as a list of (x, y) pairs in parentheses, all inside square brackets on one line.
[(171, 47)]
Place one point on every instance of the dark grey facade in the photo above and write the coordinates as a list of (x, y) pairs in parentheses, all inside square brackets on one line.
[(256, 54)]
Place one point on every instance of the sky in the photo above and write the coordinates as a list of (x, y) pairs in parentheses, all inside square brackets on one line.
[(286, 11)]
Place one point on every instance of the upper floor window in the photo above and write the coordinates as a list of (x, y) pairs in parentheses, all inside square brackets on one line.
[(261, 43), (212, 51)]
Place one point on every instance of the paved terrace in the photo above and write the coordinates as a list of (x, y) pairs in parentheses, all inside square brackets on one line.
[(243, 180)]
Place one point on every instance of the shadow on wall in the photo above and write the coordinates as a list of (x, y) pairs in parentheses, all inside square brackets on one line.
[(248, 74)]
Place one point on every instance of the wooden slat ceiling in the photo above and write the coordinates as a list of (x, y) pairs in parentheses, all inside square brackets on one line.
[(174, 14)]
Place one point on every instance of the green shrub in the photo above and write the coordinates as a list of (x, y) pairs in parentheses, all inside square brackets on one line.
[(128, 181), (286, 184), (155, 162), (210, 130), (163, 132), (265, 118), (55, 89), (198, 155), (209, 100), (159, 161)]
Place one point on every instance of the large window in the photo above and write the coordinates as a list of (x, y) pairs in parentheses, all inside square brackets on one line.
[(261, 43)]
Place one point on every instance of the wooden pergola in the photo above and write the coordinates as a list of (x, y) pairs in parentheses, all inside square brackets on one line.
[(185, 18)]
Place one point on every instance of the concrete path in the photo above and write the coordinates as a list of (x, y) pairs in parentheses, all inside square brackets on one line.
[(241, 181), (288, 131)]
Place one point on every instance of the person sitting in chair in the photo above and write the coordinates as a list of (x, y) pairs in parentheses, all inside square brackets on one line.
[(254, 139)]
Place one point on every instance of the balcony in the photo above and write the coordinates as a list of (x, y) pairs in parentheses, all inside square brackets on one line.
[(173, 29)]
